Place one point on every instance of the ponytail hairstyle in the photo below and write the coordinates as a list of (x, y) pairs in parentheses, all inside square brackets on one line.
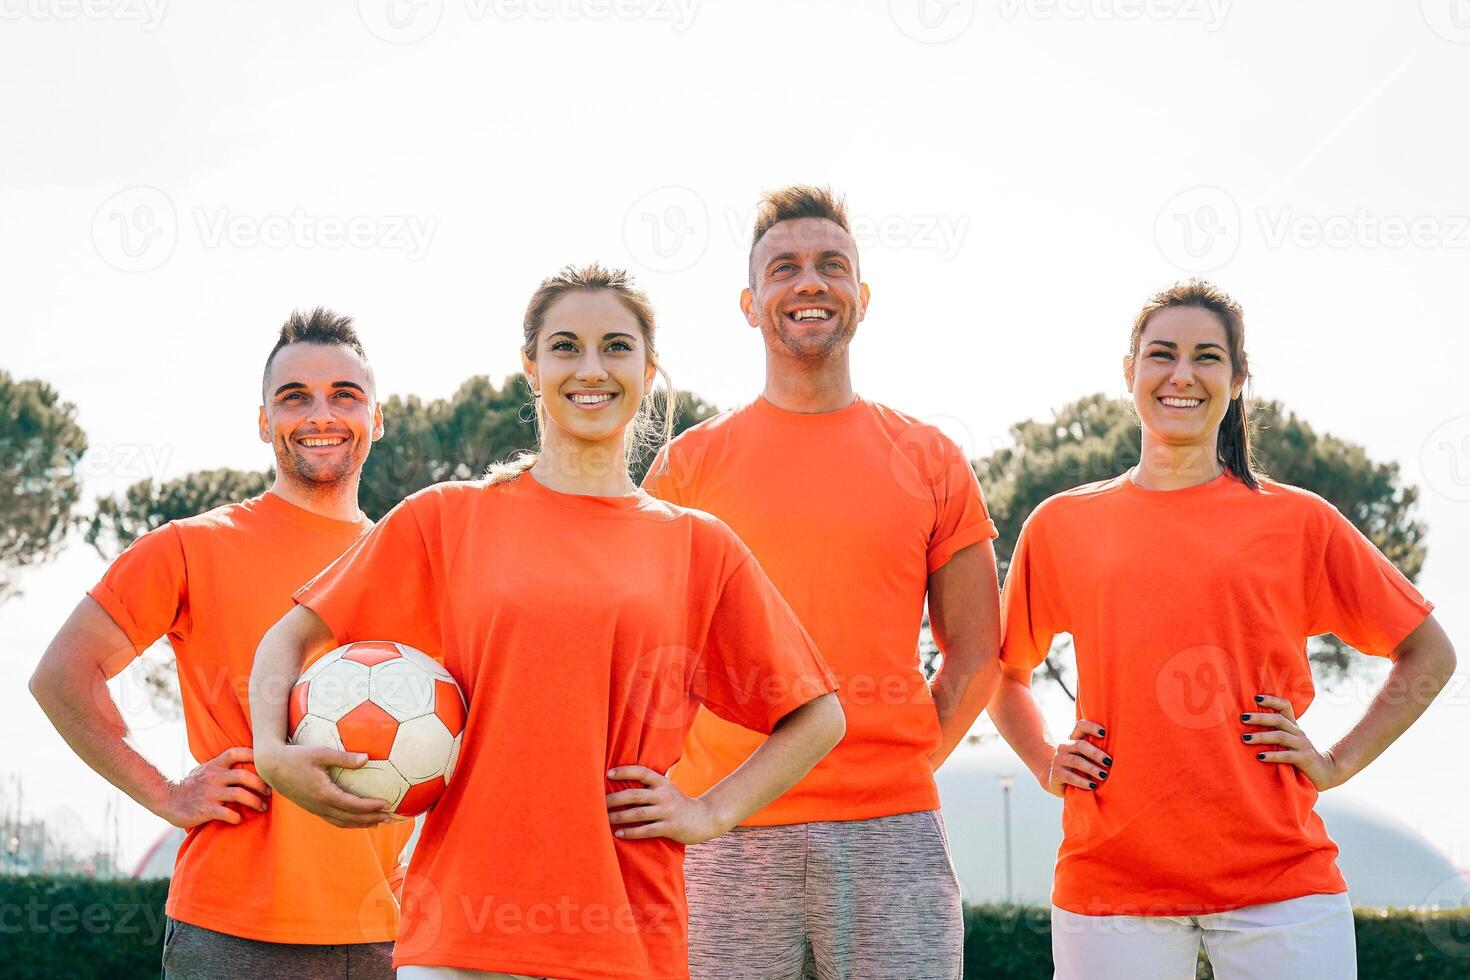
[(1233, 445), (653, 426)]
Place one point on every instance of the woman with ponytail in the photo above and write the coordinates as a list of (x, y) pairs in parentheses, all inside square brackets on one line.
[(584, 620), (1190, 585)]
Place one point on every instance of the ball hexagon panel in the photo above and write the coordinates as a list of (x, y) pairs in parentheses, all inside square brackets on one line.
[(402, 687), (428, 663), (376, 780), (336, 689), (421, 748), (316, 731)]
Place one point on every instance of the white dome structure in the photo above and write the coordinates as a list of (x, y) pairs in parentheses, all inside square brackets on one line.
[(1385, 862), (158, 860)]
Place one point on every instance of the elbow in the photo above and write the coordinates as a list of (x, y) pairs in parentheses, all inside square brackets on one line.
[(1448, 662), (42, 685), (1012, 687), (834, 721), (1434, 659), (820, 723), (991, 672)]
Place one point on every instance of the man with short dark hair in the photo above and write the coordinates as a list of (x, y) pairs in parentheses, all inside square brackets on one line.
[(260, 886), (858, 513)]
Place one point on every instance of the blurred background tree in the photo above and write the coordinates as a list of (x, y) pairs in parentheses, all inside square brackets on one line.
[(41, 447), (117, 522)]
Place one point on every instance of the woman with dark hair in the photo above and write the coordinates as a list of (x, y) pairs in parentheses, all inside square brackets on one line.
[(1190, 585), (585, 620)]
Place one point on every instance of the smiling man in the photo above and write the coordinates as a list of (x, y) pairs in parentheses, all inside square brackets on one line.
[(858, 513), (260, 886)]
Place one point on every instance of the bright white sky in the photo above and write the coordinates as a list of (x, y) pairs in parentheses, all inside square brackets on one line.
[(176, 178)]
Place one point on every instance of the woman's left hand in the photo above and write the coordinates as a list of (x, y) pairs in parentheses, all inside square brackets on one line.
[(1297, 750), (659, 808)]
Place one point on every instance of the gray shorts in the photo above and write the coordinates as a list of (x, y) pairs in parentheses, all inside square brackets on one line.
[(192, 952), (870, 899)]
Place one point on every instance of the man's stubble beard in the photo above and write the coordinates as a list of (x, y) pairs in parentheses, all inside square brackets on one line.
[(315, 480), (824, 349)]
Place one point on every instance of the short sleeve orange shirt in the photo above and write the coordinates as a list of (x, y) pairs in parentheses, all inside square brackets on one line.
[(584, 630), (849, 512), (214, 584), (1183, 606)]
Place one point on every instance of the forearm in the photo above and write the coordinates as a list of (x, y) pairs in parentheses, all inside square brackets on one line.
[(799, 742), (964, 619), (80, 706), (961, 691), (1020, 723), (278, 660), (1419, 673)]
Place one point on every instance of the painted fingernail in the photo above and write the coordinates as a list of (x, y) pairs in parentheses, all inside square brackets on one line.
[(1092, 785), (1103, 773), (1107, 760), (1245, 717), (1261, 756), (1245, 738), (1101, 731), (1260, 699)]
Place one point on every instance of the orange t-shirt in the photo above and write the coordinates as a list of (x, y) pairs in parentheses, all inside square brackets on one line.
[(583, 631), (1183, 605), (214, 584), (849, 512)]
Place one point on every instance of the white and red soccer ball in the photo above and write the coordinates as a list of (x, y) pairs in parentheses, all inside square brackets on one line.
[(394, 703)]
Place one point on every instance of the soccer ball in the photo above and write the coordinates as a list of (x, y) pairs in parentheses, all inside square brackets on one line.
[(396, 704)]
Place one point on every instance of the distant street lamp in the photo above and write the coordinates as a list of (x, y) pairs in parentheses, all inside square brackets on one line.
[(1005, 791)]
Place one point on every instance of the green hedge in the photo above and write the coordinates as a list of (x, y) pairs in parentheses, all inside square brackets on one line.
[(1013, 942), (80, 927), (113, 930)]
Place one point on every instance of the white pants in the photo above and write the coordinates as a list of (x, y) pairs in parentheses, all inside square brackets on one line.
[(1310, 936), (454, 973)]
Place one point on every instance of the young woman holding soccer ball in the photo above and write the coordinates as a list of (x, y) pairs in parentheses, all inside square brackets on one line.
[(584, 620), (1190, 585)]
